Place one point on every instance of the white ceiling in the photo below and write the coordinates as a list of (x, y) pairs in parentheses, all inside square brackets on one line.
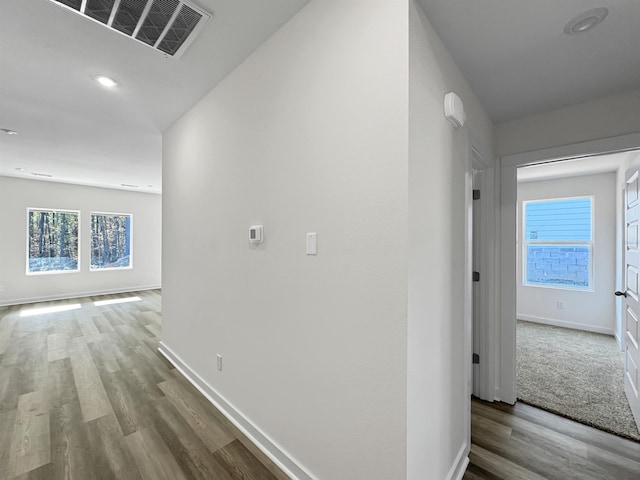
[(513, 53), (518, 60), (79, 132)]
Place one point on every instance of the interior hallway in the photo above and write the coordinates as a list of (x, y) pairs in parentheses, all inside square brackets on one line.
[(85, 394)]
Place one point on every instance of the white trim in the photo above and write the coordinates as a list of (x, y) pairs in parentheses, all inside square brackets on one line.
[(475, 158), (110, 214), (100, 212), (561, 323), (591, 148), (526, 242), (110, 269), (269, 447), (508, 279), (621, 198), (468, 293), (496, 397), (460, 464), (78, 213), (67, 296), (508, 213), (484, 325)]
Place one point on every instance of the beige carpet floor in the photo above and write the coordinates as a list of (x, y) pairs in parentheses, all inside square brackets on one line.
[(575, 374)]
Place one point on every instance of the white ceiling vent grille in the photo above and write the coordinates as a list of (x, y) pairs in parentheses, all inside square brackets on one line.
[(168, 26)]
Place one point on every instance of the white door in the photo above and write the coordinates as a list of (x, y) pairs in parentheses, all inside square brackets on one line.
[(631, 303)]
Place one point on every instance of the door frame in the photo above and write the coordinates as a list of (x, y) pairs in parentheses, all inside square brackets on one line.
[(484, 245), (505, 390)]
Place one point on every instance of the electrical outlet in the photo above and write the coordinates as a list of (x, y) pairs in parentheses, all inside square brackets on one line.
[(219, 362), (560, 305)]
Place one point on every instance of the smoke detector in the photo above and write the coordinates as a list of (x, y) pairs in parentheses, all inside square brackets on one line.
[(168, 26)]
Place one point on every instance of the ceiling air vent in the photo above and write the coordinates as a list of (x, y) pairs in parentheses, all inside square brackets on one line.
[(165, 25)]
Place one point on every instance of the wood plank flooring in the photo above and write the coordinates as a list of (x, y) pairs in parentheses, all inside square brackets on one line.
[(526, 443), (85, 395)]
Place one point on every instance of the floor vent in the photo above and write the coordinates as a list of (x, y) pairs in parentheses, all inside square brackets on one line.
[(168, 26)]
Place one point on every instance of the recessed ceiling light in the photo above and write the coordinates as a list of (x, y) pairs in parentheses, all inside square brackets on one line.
[(129, 185), (586, 20), (8, 131), (106, 81), (37, 174), (20, 169)]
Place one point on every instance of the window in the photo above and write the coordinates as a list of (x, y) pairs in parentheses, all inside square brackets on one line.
[(52, 241), (110, 241), (558, 243)]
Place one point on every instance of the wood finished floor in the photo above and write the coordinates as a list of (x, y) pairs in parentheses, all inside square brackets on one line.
[(85, 395), (527, 443)]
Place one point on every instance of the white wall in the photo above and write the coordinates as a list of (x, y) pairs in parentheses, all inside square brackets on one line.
[(16, 195), (586, 310), (601, 118), (309, 134), (437, 411)]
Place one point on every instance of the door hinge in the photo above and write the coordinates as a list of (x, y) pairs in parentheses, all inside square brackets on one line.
[(476, 358), (476, 276), (476, 194)]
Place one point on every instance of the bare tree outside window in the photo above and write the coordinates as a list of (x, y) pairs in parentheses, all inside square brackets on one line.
[(110, 241), (52, 241)]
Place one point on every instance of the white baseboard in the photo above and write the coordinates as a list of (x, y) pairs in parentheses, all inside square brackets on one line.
[(497, 393), (564, 324), (66, 296), (498, 397), (619, 342), (460, 464), (270, 448)]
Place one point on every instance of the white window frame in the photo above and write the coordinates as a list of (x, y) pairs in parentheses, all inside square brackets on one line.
[(111, 269), (28, 240), (591, 244)]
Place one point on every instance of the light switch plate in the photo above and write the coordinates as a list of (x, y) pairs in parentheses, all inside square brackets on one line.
[(256, 234), (312, 243)]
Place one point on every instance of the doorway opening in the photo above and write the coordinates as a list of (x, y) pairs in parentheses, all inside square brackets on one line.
[(568, 250)]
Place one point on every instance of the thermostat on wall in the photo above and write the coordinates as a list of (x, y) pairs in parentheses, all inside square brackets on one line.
[(255, 234)]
